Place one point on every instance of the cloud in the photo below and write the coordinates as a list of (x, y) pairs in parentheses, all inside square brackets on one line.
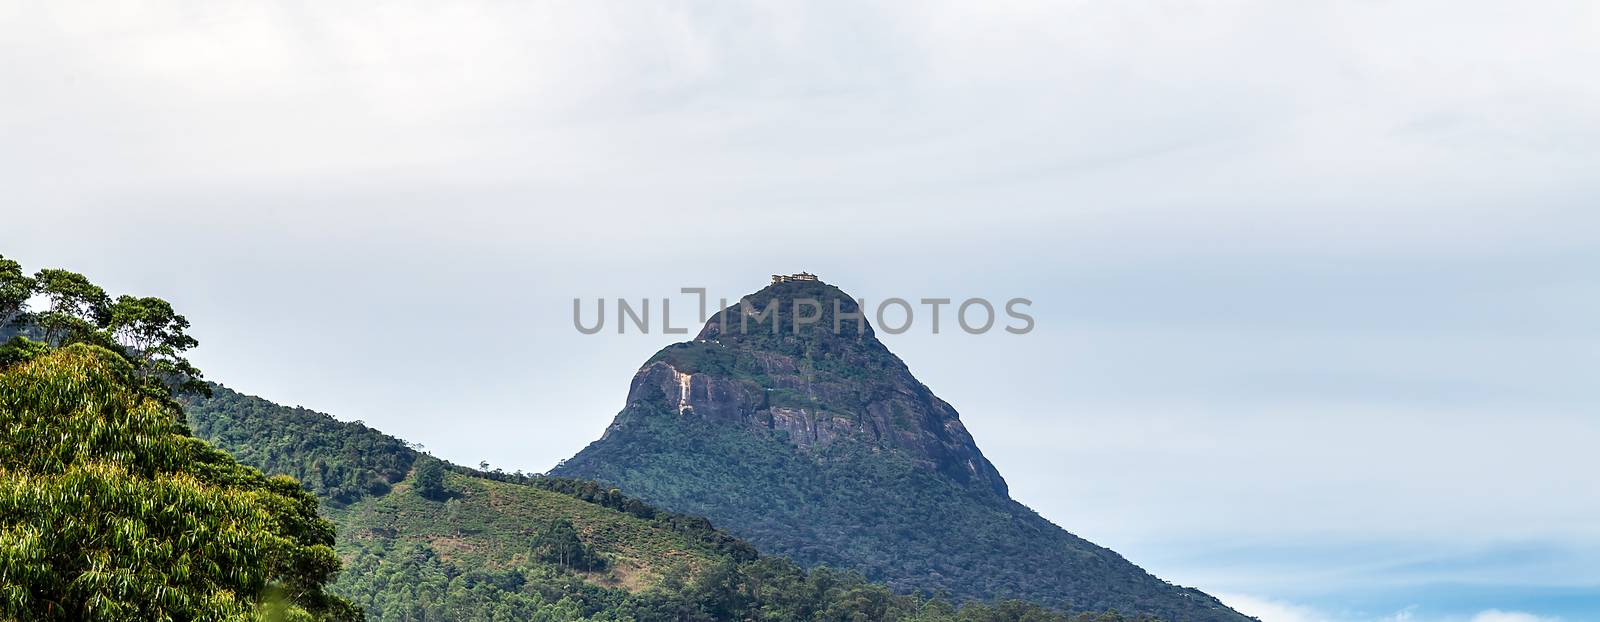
[(1404, 615), (1496, 615), (1278, 610), (1270, 610)]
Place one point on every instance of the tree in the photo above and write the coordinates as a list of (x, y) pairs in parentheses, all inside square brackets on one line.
[(78, 308), (15, 289), (152, 336), (20, 350), (146, 331), (430, 479), (558, 543), (109, 510)]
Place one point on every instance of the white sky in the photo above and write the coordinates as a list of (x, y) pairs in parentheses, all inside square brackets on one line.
[(1316, 282)]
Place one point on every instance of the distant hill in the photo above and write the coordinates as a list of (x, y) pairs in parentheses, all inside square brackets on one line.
[(480, 531), (493, 546), (821, 446)]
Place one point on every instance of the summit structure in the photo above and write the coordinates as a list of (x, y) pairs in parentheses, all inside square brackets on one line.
[(785, 278)]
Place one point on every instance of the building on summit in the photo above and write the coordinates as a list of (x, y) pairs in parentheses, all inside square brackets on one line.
[(799, 277)]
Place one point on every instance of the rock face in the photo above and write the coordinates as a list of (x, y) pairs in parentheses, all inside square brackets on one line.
[(809, 388), (815, 442)]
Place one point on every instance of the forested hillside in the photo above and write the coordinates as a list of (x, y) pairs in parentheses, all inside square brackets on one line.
[(444, 542), (340, 462)]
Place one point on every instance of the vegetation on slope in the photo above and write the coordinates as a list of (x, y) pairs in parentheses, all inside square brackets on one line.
[(487, 524), (500, 532), (907, 522), (338, 461), (477, 546)]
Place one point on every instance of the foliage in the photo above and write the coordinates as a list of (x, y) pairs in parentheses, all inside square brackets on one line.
[(430, 479), (694, 527), (20, 349), (490, 524), (77, 310), (339, 462), (144, 330), (15, 288), (558, 543), (109, 510), (154, 335), (413, 582), (344, 462)]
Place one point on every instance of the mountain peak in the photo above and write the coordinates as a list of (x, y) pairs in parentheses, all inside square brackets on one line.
[(798, 361), (790, 306), (787, 422)]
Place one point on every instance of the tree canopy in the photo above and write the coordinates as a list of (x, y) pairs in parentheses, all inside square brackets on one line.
[(109, 510), (144, 330), (15, 289), (430, 479)]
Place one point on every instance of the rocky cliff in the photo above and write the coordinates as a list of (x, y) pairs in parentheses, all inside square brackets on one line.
[(823, 383)]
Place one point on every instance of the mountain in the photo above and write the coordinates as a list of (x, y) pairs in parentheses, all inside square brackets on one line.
[(814, 441), (426, 540)]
